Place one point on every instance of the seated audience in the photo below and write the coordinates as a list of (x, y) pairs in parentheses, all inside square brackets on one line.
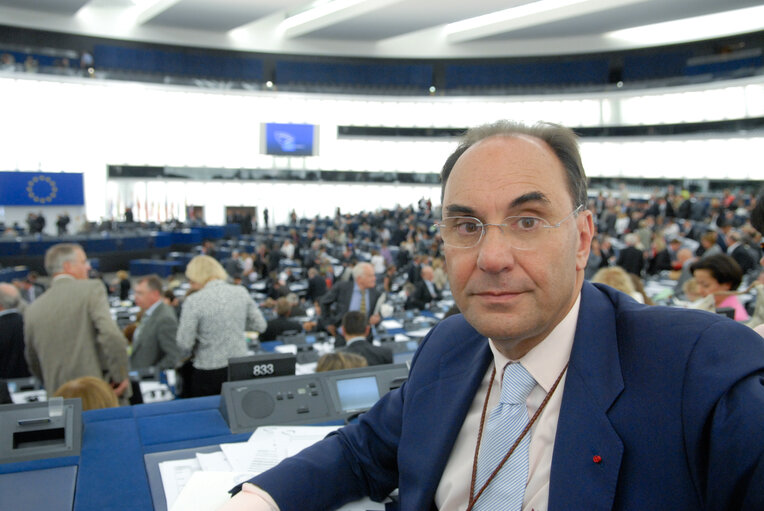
[(94, 393), (339, 360), (281, 323), (355, 328), (720, 275)]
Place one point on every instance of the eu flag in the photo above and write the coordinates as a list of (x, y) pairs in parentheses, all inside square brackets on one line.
[(41, 189)]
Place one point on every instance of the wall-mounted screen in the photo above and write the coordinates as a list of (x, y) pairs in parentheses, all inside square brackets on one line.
[(290, 139)]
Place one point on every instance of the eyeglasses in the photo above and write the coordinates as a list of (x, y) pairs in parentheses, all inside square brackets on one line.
[(525, 232)]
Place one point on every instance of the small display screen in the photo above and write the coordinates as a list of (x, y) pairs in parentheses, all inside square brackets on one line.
[(357, 393), (289, 139)]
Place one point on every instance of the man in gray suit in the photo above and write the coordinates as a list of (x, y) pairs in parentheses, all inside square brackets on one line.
[(68, 330), (154, 340)]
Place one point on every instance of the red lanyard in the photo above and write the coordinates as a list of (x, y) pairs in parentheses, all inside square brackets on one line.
[(473, 496)]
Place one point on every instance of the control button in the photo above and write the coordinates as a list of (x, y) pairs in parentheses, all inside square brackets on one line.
[(279, 396), (303, 409), (313, 392), (290, 395), (312, 385)]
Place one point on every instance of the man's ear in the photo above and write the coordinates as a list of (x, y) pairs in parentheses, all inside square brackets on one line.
[(585, 226)]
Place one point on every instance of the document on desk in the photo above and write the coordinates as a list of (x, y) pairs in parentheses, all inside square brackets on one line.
[(268, 445), (205, 489)]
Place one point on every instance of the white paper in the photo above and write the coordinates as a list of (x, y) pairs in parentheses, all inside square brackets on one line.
[(207, 491), (402, 338), (175, 474), (419, 333), (213, 462), (391, 323)]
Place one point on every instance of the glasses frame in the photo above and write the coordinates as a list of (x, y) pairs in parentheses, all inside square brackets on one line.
[(544, 224)]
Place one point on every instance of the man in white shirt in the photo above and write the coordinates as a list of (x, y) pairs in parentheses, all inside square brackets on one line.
[(633, 407)]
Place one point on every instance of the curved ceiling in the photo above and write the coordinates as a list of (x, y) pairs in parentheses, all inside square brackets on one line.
[(396, 28)]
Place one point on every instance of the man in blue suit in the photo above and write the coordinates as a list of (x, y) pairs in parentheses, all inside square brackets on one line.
[(639, 408)]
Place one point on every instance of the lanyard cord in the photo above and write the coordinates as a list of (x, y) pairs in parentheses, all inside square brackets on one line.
[(473, 496)]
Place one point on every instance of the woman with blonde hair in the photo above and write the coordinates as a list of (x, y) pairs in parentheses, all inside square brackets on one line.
[(340, 360), (94, 393), (616, 277), (213, 324)]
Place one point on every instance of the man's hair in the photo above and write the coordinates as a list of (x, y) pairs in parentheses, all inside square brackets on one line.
[(202, 268), (562, 141), (724, 269), (354, 323), (360, 268), (283, 307), (9, 296), (153, 282), (757, 214), (709, 237), (59, 254)]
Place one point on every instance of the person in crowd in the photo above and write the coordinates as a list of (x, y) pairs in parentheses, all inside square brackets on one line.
[(757, 222), (355, 328), (720, 276), (439, 277), (213, 323), (339, 360), (12, 362), (121, 285), (358, 294), (661, 255), (316, 285), (154, 338), (425, 291), (281, 323), (691, 290), (644, 404), (61, 223), (69, 331), (740, 252), (94, 393), (630, 257), (708, 245), (618, 278)]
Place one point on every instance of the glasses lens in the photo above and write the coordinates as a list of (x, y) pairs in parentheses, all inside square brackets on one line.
[(461, 231)]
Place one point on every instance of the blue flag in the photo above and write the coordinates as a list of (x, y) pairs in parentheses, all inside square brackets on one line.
[(41, 189)]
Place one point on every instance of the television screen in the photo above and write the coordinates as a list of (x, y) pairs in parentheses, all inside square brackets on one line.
[(290, 139)]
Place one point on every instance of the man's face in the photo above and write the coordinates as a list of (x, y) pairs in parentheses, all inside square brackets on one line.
[(367, 279), (79, 266), (515, 297), (145, 297)]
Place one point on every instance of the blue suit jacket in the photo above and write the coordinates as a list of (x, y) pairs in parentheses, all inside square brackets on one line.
[(671, 400)]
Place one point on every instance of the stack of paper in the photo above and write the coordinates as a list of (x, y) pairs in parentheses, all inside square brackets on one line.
[(202, 483)]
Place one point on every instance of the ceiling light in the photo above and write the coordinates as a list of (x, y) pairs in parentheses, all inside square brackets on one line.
[(700, 27)]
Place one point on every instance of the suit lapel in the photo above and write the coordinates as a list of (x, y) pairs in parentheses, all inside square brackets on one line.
[(588, 451), (443, 406)]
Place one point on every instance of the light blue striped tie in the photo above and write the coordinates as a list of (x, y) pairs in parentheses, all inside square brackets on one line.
[(503, 425)]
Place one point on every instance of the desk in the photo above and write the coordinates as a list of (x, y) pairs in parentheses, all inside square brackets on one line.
[(111, 472)]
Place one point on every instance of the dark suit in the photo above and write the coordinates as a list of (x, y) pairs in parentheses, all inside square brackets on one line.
[(316, 288), (674, 414), (278, 326), (12, 362), (374, 355), (631, 260), (421, 296), (154, 341), (336, 303), (742, 255)]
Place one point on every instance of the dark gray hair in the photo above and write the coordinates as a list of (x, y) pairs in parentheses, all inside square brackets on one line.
[(562, 141)]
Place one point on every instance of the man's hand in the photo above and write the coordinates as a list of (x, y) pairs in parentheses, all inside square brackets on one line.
[(120, 388), (331, 329), (374, 319)]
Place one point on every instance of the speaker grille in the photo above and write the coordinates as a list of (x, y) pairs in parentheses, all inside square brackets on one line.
[(257, 404)]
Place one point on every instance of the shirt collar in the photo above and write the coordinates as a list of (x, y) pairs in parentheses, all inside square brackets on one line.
[(62, 276), (152, 308), (355, 339), (5, 312), (545, 361)]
